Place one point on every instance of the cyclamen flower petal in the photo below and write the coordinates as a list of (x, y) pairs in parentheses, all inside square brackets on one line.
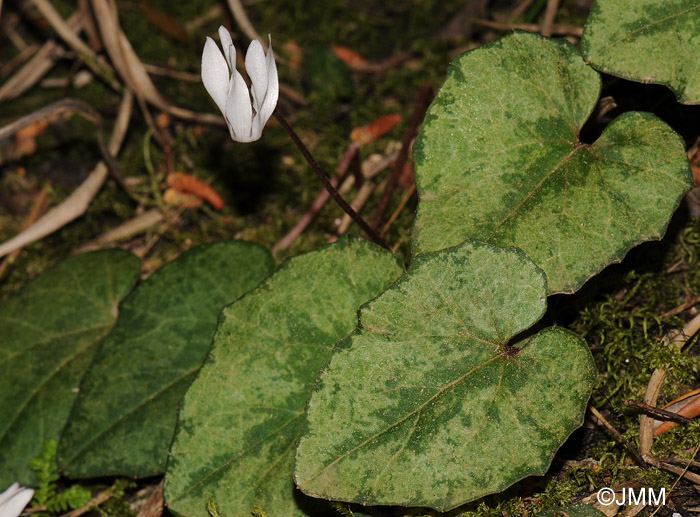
[(245, 110), (14, 500)]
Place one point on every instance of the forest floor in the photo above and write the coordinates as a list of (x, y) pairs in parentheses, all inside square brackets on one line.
[(343, 65)]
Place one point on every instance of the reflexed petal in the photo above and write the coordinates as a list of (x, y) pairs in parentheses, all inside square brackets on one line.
[(227, 45), (273, 86), (239, 112), (257, 128), (17, 502), (256, 67), (215, 74), (7, 494)]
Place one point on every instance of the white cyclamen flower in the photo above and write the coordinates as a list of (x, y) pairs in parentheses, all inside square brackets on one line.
[(230, 92), (14, 500)]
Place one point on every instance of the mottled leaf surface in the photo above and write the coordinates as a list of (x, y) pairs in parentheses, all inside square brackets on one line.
[(49, 333), (241, 418), (425, 405), (499, 160), (124, 417), (650, 41)]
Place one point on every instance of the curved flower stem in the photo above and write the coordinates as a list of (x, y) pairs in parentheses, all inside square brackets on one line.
[(373, 236)]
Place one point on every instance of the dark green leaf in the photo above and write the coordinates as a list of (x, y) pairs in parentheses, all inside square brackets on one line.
[(48, 336), (123, 420)]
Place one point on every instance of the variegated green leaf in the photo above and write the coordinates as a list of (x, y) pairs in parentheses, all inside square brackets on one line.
[(428, 403), (241, 418), (499, 159), (650, 41)]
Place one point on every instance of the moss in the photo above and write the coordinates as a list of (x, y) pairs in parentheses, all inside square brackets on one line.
[(267, 186)]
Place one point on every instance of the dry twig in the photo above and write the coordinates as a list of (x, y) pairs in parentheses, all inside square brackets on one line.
[(92, 503), (520, 8), (561, 30), (154, 504), (243, 22), (639, 459), (421, 106), (37, 67), (677, 310), (134, 226), (402, 205), (549, 14), (658, 413), (321, 199), (71, 38), (76, 204), (651, 396), (37, 210)]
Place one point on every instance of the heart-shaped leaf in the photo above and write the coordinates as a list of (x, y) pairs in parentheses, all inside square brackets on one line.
[(499, 160), (128, 399), (241, 418), (650, 41), (427, 403), (48, 335)]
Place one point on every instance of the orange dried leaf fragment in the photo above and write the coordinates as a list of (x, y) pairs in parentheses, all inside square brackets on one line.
[(25, 138), (687, 405), (351, 58), (375, 129), (189, 184), (174, 197)]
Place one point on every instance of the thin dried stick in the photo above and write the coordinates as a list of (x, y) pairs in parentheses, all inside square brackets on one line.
[(125, 230), (244, 22), (684, 415), (520, 8), (130, 68), (36, 211), (175, 74), (11, 34), (559, 29), (37, 67), (681, 308), (362, 196), (399, 209), (370, 168), (327, 184), (659, 414), (550, 14), (421, 106), (92, 503), (682, 472), (154, 504), (89, 26), (20, 58), (77, 203), (64, 106), (617, 435), (651, 396), (70, 37), (321, 199)]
